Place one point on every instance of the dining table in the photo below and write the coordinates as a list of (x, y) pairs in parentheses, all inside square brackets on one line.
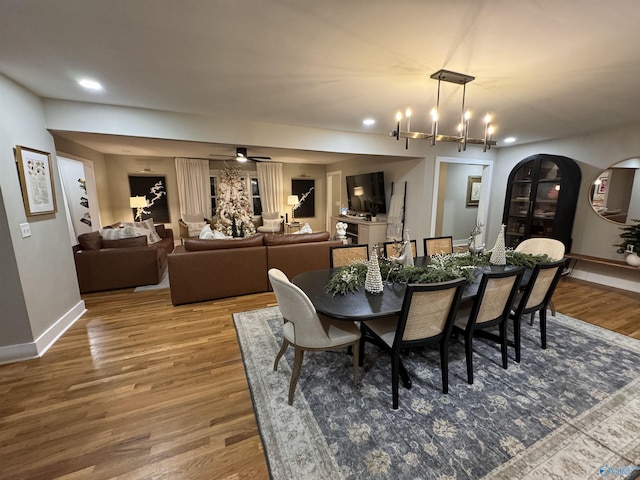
[(363, 306)]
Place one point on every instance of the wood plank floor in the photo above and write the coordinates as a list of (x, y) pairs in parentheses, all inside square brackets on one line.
[(139, 389)]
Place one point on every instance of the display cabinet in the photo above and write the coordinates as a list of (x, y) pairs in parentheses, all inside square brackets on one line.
[(361, 231), (542, 193)]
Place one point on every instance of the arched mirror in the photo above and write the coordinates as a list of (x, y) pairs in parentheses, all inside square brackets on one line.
[(615, 193)]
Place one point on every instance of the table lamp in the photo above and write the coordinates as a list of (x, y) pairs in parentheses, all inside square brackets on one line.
[(293, 201), (140, 203)]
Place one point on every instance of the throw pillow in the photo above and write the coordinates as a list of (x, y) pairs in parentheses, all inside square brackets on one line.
[(274, 224), (145, 232), (306, 228), (117, 233), (90, 241), (206, 233), (195, 228), (148, 225)]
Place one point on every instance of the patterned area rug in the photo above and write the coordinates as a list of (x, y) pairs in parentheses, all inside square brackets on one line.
[(164, 283), (571, 411)]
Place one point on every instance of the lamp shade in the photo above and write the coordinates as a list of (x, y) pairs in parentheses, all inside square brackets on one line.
[(137, 202), (358, 191), (292, 200)]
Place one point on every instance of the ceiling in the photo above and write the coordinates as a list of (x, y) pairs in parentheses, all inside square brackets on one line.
[(544, 69)]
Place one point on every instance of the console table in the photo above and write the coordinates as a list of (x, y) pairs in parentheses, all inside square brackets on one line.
[(361, 231)]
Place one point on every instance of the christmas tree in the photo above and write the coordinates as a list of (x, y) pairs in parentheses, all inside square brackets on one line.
[(373, 280), (498, 255), (233, 211)]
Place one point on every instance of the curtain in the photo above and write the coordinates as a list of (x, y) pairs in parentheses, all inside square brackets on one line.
[(270, 181), (193, 186)]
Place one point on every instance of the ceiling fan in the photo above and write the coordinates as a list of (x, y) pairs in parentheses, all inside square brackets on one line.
[(242, 156)]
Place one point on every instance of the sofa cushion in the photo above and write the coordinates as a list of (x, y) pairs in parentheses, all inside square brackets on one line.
[(196, 244), (302, 238), (90, 241), (140, 241), (146, 225)]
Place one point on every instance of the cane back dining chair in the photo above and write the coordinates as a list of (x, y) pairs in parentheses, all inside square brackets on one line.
[(393, 249), (438, 245), (342, 255), (535, 298), (426, 317), (307, 330), (551, 247), (490, 307)]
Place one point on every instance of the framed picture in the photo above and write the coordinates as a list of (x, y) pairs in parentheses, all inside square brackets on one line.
[(473, 191), (36, 181), (602, 186), (304, 189), (154, 189)]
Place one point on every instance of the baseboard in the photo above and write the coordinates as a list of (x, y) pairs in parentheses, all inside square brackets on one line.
[(27, 351), (617, 279)]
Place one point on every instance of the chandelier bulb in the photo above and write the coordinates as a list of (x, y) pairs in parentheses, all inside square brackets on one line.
[(487, 118), (407, 113), (434, 114), (459, 127), (398, 116), (467, 115)]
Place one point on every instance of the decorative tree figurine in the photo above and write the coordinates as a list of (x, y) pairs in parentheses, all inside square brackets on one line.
[(498, 255), (233, 212), (373, 280)]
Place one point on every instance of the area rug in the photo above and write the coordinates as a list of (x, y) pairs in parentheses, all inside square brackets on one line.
[(163, 283), (571, 411)]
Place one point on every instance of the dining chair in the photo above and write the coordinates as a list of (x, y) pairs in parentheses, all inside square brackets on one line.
[(551, 247), (438, 245), (426, 317), (535, 298), (491, 306), (393, 249), (307, 330), (342, 255)]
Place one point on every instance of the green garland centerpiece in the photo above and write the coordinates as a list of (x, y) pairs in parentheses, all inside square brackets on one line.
[(441, 268)]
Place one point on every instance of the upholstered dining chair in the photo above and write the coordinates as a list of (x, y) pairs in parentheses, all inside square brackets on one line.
[(535, 298), (426, 317), (551, 247), (307, 330), (491, 306), (391, 249), (342, 255), (438, 245)]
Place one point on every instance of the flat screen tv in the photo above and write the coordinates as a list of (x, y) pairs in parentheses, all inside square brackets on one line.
[(365, 193)]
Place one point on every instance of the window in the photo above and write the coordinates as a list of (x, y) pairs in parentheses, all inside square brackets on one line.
[(213, 182)]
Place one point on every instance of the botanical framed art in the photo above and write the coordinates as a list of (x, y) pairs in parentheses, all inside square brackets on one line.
[(36, 181), (473, 190)]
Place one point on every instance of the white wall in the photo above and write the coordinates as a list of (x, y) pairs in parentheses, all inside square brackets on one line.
[(458, 219), (40, 295)]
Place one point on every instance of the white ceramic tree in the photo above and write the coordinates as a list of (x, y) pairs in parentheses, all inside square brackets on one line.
[(373, 280), (498, 254)]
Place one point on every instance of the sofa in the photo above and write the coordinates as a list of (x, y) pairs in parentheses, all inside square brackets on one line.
[(104, 264), (201, 270)]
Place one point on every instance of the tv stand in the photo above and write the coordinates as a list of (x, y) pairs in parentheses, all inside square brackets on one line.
[(360, 231)]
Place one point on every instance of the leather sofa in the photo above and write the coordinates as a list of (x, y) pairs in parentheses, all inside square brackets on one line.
[(203, 270), (129, 262)]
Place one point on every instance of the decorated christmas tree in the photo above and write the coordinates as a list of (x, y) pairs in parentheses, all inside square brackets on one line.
[(233, 209), (373, 280), (498, 255)]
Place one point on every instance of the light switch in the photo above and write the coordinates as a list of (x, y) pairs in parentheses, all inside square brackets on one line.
[(25, 229)]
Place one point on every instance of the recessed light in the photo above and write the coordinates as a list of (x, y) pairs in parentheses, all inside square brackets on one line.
[(368, 122), (509, 140), (90, 84)]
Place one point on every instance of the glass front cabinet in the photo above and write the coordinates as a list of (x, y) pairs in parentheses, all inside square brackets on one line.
[(542, 192)]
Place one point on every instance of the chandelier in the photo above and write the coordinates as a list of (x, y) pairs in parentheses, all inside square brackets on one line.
[(462, 138)]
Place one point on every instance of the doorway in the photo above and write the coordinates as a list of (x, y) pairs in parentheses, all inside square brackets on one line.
[(334, 196)]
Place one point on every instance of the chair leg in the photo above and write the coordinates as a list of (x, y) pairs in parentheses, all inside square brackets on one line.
[(444, 364), (468, 350), (297, 365), (356, 360), (516, 337), (532, 318), (543, 327), (503, 343), (285, 345), (395, 380), (361, 350), (552, 307)]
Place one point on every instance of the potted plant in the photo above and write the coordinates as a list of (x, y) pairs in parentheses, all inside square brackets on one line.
[(374, 212), (631, 243)]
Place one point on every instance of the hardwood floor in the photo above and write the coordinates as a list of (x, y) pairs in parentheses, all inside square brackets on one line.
[(139, 389)]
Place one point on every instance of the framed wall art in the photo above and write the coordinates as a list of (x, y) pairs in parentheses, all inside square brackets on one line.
[(36, 181), (304, 189), (154, 189), (473, 190)]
